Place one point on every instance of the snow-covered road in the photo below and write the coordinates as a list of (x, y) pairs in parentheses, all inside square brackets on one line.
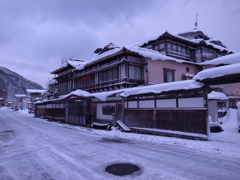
[(32, 148)]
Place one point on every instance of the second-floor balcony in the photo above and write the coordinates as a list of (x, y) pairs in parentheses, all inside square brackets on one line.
[(111, 85)]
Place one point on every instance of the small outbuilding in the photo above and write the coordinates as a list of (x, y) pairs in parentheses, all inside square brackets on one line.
[(218, 104)]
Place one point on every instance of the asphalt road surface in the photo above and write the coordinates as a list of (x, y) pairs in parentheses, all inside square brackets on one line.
[(33, 148)]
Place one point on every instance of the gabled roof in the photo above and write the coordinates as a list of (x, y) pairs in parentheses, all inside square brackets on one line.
[(144, 52), (68, 62), (196, 32), (178, 36), (165, 34)]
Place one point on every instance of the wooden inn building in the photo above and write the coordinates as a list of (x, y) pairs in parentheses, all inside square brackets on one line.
[(148, 87)]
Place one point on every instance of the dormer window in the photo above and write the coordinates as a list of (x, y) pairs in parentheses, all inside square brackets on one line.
[(158, 47)]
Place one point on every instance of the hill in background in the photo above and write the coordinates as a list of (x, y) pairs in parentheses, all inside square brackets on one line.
[(12, 83)]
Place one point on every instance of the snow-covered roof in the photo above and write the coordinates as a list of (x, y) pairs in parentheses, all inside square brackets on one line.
[(218, 72), (228, 59), (20, 95), (81, 93), (195, 41), (157, 89), (53, 81), (101, 95), (144, 52), (35, 90), (164, 87), (69, 61), (217, 96), (195, 30)]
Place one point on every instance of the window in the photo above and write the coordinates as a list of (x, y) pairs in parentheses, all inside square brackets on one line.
[(100, 77), (174, 47), (135, 72), (115, 73), (108, 75), (108, 110), (208, 54), (85, 81), (158, 47), (62, 87), (168, 75), (122, 71), (155, 47), (161, 46), (69, 86), (169, 46)]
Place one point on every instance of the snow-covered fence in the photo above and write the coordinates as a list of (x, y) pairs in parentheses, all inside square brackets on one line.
[(51, 111), (184, 111)]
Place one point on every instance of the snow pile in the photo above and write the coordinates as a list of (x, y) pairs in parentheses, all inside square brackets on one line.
[(225, 143), (218, 72), (217, 95), (25, 112)]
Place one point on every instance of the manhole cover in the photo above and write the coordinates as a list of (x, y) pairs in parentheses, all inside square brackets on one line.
[(122, 169)]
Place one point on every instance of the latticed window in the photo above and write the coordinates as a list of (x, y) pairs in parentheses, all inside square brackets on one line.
[(135, 72)]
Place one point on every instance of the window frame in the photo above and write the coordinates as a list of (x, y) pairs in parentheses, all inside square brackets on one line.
[(166, 72)]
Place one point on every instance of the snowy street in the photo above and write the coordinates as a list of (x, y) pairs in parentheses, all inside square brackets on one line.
[(33, 148)]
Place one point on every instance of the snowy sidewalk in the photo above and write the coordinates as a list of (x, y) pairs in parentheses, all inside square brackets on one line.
[(225, 143)]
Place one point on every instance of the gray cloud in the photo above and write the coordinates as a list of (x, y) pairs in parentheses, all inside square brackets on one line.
[(37, 34)]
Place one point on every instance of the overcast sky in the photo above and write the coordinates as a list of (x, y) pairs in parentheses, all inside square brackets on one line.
[(36, 34)]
